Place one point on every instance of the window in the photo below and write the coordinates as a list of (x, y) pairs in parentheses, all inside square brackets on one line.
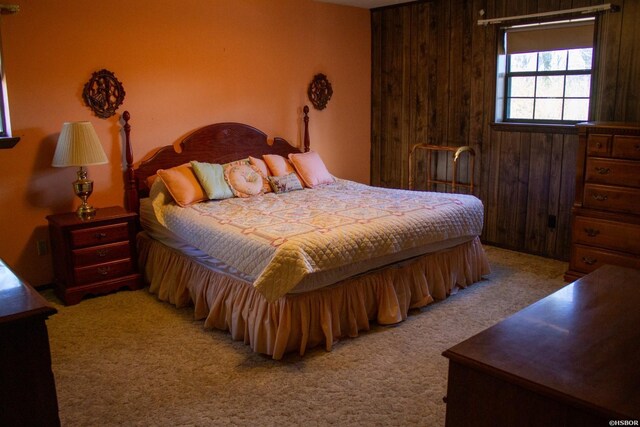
[(6, 140), (546, 73)]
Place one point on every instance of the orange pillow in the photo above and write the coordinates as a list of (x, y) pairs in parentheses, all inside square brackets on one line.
[(311, 168), (183, 184), (278, 165)]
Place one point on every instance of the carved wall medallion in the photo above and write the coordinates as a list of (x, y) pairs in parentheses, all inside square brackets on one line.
[(103, 93), (320, 91)]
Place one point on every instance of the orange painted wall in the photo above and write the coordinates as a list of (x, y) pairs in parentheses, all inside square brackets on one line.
[(183, 64)]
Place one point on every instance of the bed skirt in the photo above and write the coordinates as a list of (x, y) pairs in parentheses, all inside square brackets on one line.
[(296, 322)]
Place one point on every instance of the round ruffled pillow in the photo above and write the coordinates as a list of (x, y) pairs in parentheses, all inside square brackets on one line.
[(245, 180)]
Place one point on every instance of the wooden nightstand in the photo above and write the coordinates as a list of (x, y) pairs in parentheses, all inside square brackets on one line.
[(94, 256)]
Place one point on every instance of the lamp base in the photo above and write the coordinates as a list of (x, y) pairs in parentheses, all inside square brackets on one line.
[(83, 187), (86, 212)]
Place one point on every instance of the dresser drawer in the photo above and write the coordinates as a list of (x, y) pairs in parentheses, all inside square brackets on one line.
[(102, 272), (586, 259), (607, 234), (101, 254), (598, 145), (612, 171), (612, 198), (99, 235), (626, 146)]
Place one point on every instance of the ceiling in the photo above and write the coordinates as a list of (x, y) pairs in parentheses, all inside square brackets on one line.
[(366, 4)]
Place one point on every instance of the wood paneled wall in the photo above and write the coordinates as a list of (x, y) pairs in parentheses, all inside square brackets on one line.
[(434, 81)]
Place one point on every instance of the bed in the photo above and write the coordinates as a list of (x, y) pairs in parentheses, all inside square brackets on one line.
[(289, 271)]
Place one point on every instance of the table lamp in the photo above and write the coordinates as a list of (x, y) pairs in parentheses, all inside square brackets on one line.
[(78, 145)]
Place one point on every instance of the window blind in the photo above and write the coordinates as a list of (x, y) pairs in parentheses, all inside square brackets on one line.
[(545, 37)]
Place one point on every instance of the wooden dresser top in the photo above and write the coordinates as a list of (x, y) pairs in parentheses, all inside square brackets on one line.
[(580, 344), (18, 299)]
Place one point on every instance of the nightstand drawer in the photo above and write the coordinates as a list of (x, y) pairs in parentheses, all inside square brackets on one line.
[(101, 254), (102, 272), (612, 198), (99, 235), (612, 171), (607, 234)]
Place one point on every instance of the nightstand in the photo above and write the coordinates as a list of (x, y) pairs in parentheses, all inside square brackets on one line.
[(94, 256)]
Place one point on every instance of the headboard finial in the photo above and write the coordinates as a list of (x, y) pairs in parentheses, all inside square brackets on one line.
[(131, 192), (307, 142)]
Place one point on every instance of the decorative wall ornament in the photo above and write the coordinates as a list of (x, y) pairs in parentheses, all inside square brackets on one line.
[(320, 91), (103, 93)]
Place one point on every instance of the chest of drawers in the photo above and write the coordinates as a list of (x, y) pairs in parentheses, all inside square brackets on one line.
[(606, 212), (93, 256)]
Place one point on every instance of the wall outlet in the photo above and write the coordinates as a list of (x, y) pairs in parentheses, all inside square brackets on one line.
[(41, 247)]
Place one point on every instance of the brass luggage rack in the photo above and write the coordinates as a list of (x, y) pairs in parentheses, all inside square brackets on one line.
[(457, 151)]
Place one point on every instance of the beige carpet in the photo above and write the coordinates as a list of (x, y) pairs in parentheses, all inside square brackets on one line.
[(128, 359)]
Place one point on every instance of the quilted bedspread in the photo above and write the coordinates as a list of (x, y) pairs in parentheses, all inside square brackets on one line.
[(278, 239)]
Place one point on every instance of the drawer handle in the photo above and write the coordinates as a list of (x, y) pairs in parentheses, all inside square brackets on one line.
[(599, 197), (637, 147), (603, 171), (102, 252), (592, 232), (598, 145), (100, 235), (103, 271), (588, 260)]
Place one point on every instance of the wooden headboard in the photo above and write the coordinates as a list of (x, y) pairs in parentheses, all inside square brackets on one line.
[(217, 143)]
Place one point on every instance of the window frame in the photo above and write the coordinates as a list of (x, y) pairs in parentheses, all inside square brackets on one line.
[(540, 125), (6, 138), (566, 72)]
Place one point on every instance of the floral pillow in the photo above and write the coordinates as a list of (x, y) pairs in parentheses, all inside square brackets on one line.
[(245, 180), (285, 183)]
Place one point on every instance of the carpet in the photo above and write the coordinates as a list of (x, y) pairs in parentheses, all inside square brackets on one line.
[(128, 359)]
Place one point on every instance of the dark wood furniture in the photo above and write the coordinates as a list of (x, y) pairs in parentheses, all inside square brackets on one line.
[(27, 386), (571, 359), (94, 256), (606, 212)]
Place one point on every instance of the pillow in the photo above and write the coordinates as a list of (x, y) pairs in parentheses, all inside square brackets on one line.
[(244, 180), (151, 179), (264, 171), (284, 183), (260, 164), (311, 168), (211, 177), (278, 165), (183, 184)]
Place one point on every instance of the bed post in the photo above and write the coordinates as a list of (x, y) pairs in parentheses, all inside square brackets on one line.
[(305, 110), (130, 189)]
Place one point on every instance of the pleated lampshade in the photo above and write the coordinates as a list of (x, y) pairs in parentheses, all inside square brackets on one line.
[(78, 145)]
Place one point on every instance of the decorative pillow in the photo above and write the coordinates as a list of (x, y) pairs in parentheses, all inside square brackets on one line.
[(264, 171), (237, 162), (211, 177), (278, 165), (244, 180), (311, 168), (183, 184), (284, 183)]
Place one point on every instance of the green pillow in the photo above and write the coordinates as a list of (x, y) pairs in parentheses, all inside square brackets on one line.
[(211, 177)]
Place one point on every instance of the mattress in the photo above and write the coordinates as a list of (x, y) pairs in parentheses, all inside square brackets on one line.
[(303, 240)]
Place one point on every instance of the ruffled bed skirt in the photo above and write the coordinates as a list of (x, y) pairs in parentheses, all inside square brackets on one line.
[(296, 322)]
